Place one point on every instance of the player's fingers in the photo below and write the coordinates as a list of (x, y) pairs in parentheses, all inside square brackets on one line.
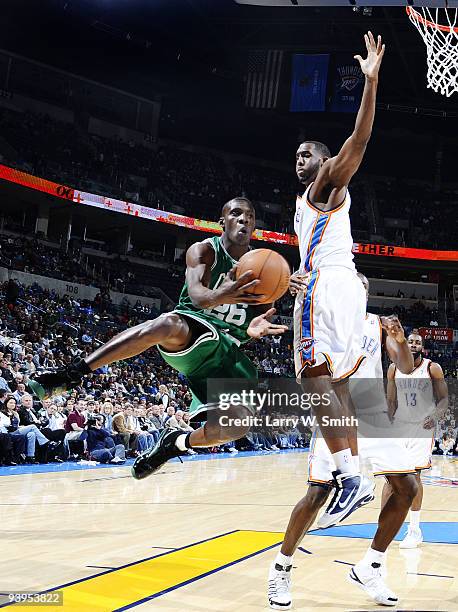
[(379, 44), (244, 285), (232, 272), (371, 40), (381, 54), (366, 40), (358, 57), (269, 313), (298, 282), (277, 329), (245, 278), (251, 299)]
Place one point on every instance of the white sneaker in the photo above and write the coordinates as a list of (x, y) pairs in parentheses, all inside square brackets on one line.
[(279, 593), (191, 452), (369, 579), (117, 460), (232, 449), (352, 491), (413, 539)]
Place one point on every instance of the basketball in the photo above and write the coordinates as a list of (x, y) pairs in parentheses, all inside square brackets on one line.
[(270, 268)]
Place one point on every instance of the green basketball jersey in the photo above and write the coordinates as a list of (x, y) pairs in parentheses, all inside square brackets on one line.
[(234, 319)]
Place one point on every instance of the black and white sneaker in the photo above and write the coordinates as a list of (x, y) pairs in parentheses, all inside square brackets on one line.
[(154, 458), (279, 593), (351, 492), (59, 380), (369, 578)]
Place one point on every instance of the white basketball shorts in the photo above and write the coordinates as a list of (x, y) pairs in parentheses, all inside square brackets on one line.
[(328, 322)]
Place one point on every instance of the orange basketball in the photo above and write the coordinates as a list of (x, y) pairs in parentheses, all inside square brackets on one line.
[(270, 268)]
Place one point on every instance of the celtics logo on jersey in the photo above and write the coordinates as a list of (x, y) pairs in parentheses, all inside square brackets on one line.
[(233, 314)]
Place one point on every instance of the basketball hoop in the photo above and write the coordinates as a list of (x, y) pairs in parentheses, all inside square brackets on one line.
[(441, 40)]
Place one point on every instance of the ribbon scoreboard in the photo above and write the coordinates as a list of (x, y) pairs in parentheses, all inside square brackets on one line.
[(84, 198)]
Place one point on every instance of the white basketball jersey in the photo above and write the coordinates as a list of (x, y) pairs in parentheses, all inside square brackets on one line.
[(415, 395), (324, 237), (371, 346)]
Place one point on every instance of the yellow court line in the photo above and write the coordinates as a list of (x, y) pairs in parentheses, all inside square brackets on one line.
[(147, 579)]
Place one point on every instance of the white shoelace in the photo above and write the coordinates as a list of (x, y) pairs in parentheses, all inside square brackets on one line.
[(279, 585)]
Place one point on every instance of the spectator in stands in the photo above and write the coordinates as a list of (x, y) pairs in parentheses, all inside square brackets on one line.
[(163, 396), (146, 424), (28, 434), (145, 439), (176, 421), (26, 412), (128, 436), (447, 443), (53, 426), (170, 411), (4, 384), (100, 444), (20, 390), (6, 447), (74, 425), (153, 415)]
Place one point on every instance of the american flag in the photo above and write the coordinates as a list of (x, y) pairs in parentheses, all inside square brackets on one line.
[(262, 78)]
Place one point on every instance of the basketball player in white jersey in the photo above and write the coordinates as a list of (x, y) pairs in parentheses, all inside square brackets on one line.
[(388, 457), (417, 401), (329, 315)]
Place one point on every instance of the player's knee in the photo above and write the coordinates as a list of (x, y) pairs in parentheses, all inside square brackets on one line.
[(405, 487), (411, 489), (316, 496), (169, 323)]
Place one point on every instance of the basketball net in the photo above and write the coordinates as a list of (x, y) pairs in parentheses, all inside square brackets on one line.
[(441, 40)]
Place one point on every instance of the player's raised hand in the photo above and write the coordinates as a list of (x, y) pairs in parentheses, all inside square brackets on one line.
[(375, 50), (235, 290), (261, 326), (429, 423), (298, 282), (393, 328)]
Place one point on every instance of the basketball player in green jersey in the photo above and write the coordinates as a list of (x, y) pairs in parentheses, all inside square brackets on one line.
[(200, 338)]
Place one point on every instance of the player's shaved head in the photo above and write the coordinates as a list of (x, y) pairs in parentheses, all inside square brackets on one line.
[(321, 149), (227, 207)]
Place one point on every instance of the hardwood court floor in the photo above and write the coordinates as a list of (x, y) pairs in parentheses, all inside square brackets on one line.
[(200, 536)]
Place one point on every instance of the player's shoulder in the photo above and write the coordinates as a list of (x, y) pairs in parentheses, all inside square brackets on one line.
[(373, 320), (204, 251), (434, 369)]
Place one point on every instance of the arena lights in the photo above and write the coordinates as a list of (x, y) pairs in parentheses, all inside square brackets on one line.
[(84, 198)]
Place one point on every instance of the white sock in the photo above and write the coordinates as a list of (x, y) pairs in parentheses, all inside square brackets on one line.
[(414, 519), (344, 461), (283, 560), (180, 442), (356, 462), (374, 556)]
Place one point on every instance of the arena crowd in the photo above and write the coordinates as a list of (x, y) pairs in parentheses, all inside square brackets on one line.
[(120, 410)]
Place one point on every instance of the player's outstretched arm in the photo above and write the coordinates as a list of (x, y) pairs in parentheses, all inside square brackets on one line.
[(396, 344), (440, 394), (391, 392), (199, 260), (338, 171)]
